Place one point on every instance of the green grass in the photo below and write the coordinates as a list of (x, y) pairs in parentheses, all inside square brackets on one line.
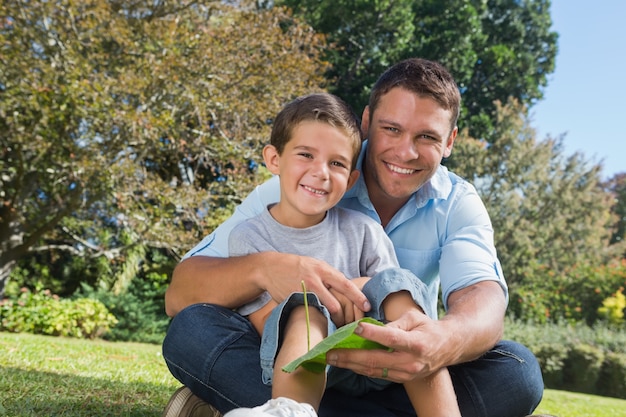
[(52, 376), (572, 404)]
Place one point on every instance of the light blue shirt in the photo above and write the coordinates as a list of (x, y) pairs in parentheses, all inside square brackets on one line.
[(442, 234)]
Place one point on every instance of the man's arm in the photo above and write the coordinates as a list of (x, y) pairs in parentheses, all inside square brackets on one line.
[(232, 282), (475, 320), (229, 282), (473, 325)]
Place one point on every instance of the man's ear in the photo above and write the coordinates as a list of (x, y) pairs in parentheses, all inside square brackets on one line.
[(354, 175), (272, 159), (450, 143), (365, 122)]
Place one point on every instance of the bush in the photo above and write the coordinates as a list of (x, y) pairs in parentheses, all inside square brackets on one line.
[(41, 312), (573, 295), (576, 357), (582, 368), (612, 380), (612, 309), (140, 310), (551, 358)]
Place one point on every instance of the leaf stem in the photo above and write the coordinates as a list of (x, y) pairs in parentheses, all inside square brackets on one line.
[(308, 323)]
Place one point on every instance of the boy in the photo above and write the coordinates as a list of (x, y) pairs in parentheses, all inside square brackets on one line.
[(315, 143)]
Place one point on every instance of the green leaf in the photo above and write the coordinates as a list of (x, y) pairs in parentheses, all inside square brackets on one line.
[(344, 338)]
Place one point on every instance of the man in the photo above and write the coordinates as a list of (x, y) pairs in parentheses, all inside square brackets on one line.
[(441, 232)]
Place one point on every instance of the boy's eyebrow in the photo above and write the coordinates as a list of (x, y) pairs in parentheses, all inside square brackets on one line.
[(341, 157)]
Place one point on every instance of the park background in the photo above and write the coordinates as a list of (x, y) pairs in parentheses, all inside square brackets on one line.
[(130, 130)]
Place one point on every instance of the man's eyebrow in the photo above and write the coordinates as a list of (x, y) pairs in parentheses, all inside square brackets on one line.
[(388, 122)]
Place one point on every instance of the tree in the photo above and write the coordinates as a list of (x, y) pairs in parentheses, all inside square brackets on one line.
[(125, 123), (494, 48), (617, 187), (548, 209)]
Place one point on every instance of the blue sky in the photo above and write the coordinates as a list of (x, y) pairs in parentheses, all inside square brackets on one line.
[(586, 94)]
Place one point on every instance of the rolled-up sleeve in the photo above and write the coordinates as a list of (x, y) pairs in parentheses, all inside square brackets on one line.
[(468, 253)]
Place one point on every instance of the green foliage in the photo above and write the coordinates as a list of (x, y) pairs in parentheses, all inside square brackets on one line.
[(581, 368), (576, 294), (140, 310), (612, 380), (575, 356), (495, 49), (548, 210), (617, 187), (613, 307), (119, 127), (42, 312)]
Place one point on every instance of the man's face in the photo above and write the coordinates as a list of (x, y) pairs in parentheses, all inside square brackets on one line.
[(408, 137)]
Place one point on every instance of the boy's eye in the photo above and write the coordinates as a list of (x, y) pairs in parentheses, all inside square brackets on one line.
[(338, 164), (305, 155)]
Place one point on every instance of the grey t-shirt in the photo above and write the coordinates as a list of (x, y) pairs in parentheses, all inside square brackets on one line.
[(346, 239)]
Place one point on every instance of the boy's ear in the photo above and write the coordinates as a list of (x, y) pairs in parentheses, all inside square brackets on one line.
[(354, 175), (271, 158)]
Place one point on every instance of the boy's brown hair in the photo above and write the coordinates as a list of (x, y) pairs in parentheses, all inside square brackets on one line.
[(321, 107)]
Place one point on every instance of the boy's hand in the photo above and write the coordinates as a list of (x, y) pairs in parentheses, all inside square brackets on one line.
[(351, 312), (337, 293)]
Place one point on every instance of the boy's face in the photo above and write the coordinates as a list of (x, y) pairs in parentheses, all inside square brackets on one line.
[(407, 136), (315, 172)]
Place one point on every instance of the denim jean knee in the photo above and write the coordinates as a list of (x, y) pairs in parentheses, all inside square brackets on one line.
[(506, 381), (394, 280), (214, 351)]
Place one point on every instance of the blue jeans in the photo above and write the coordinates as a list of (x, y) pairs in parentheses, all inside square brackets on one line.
[(215, 352)]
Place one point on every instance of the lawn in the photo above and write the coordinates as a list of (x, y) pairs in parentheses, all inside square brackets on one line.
[(51, 376)]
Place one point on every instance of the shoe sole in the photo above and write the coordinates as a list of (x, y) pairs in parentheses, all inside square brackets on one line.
[(177, 402)]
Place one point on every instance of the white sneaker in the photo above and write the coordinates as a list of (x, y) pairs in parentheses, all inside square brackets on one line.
[(278, 407)]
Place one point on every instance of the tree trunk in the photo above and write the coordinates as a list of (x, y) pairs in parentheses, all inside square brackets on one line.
[(5, 271)]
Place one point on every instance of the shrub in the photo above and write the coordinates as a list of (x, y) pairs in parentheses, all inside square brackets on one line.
[(551, 359), (613, 307), (41, 312), (612, 380), (573, 295), (582, 368), (576, 356), (140, 310)]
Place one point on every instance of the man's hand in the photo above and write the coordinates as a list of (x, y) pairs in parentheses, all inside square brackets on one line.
[(420, 345), (415, 342)]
